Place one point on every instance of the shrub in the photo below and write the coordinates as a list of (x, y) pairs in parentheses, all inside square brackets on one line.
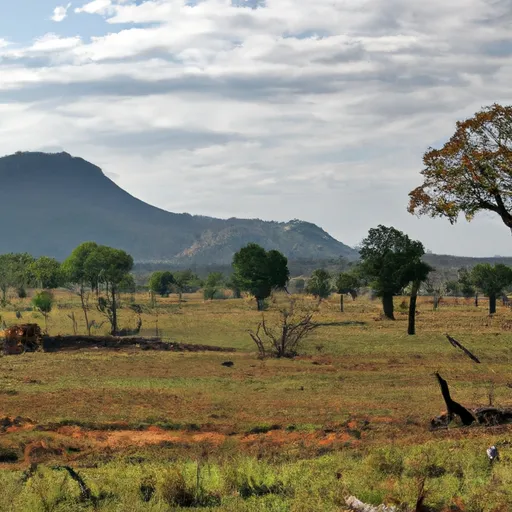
[(285, 337)]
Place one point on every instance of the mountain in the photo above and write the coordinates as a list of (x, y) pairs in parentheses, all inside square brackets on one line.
[(50, 203)]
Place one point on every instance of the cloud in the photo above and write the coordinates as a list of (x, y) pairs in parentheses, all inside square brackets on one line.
[(274, 109), (60, 13), (96, 7)]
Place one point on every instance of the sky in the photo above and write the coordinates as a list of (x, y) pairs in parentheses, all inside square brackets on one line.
[(273, 109)]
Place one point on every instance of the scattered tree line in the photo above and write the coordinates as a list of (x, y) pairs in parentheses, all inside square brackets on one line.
[(391, 264)]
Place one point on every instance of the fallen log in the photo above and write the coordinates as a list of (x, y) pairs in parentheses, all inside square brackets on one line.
[(452, 406), (64, 343), (485, 416), (358, 506), (459, 345)]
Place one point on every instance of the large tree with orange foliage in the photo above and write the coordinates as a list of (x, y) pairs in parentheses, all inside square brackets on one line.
[(472, 172)]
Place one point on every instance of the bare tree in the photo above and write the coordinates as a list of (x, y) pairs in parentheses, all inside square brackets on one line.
[(283, 339)]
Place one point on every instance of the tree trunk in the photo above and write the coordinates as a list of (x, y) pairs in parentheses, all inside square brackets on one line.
[(476, 300), (411, 329), (387, 304), (114, 312), (436, 301), (342, 309), (84, 309), (492, 304), (260, 303)]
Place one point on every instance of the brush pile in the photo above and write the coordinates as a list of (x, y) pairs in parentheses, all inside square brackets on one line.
[(22, 338)]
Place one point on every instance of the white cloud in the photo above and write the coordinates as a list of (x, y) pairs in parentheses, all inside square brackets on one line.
[(285, 110), (53, 43), (96, 7), (60, 13)]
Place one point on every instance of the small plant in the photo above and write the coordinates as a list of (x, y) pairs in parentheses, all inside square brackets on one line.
[(72, 317), (147, 488), (176, 492), (284, 338), (43, 302)]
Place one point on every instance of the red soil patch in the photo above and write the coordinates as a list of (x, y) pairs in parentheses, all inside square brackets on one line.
[(155, 436), (383, 419)]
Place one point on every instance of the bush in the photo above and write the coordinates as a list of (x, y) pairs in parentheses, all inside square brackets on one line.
[(176, 492), (285, 337)]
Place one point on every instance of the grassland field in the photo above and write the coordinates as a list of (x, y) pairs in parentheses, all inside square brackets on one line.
[(349, 416)]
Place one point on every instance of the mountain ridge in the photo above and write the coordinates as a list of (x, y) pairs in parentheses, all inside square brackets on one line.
[(54, 201)]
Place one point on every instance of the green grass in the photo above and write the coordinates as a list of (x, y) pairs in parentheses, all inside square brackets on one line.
[(453, 473)]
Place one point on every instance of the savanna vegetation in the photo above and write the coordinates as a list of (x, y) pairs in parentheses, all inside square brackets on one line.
[(314, 399)]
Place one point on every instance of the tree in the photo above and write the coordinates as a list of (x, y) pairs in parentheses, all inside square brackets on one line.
[(128, 285), (47, 273), (472, 172), (419, 272), (5, 276), (467, 287), (235, 286), (347, 283), (109, 267), (319, 285), (453, 287), (435, 285), (259, 272), (213, 283), (75, 272), (43, 302), (285, 337), (183, 280), (161, 283), (14, 273), (491, 280), (389, 260)]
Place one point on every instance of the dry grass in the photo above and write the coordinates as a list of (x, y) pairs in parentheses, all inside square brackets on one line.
[(360, 383), (356, 365)]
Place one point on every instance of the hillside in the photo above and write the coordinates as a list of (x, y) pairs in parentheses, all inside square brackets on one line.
[(50, 203), (446, 261)]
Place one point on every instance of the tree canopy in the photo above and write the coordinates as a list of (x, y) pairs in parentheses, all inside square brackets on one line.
[(43, 302), (184, 280), (212, 285), (259, 272), (348, 282), (466, 284), (14, 272), (74, 267), (491, 280), (98, 266), (47, 272), (390, 260), (320, 284), (471, 172), (161, 282)]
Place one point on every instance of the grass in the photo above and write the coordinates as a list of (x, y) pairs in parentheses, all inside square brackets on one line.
[(349, 416)]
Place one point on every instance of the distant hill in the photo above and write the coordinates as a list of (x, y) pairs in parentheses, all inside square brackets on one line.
[(50, 203), (446, 261)]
